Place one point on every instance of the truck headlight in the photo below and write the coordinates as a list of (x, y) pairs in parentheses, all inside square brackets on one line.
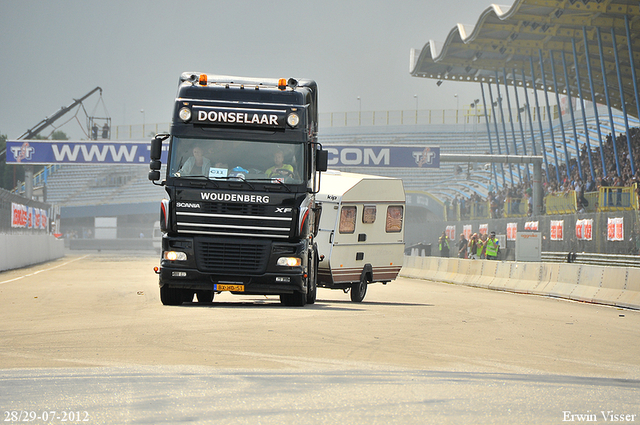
[(185, 114), (175, 256), (289, 261), (293, 120)]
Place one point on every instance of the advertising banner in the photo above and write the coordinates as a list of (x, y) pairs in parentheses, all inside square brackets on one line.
[(467, 230), (450, 231), (383, 156), (615, 228), (512, 231), (28, 217), (483, 229), (557, 227), (531, 225), (584, 229), (79, 152), (137, 152)]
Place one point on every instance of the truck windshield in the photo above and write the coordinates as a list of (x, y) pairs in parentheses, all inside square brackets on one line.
[(237, 159)]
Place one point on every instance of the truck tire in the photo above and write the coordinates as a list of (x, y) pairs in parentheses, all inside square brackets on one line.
[(312, 291), (297, 299), (312, 282), (359, 289), (171, 296), (204, 296)]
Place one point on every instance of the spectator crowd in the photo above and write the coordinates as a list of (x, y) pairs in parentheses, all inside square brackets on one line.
[(513, 199)]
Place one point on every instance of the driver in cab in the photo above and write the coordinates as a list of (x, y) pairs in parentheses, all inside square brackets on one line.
[(280, 169), (197, 165)]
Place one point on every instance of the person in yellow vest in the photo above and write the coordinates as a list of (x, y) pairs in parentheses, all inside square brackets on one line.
[(443, 245), (493, 246), (473, 247), (482, 244)]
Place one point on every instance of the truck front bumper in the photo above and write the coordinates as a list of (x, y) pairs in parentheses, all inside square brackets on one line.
[(215, 263)]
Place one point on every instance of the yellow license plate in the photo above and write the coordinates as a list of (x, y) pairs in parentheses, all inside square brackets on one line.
[(225, 287)]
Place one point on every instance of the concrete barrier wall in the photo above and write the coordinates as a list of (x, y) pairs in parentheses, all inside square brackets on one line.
[(24, 250), (615, 286)]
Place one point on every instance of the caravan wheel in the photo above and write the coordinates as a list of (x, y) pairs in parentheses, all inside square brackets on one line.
[(359, 290)]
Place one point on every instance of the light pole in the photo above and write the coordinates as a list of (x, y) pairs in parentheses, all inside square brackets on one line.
[(476, 119), (416, 97), (359, 110), (457, 106), (143, 120)]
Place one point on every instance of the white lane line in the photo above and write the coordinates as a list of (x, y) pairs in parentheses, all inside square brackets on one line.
[(44, 270)]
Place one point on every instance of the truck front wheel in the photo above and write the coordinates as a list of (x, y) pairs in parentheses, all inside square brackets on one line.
[(204, 296), (171, 296), (312, 279), (297, 299)]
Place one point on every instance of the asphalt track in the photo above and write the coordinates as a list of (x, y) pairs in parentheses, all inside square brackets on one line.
[(87, 334)]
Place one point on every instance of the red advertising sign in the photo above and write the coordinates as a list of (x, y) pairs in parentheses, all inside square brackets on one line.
[(557, 227)]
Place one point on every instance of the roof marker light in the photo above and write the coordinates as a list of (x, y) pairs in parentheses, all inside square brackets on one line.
[(203, 79), (282, 84)]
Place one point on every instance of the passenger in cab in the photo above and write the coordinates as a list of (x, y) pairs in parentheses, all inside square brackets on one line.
[(280, 169)]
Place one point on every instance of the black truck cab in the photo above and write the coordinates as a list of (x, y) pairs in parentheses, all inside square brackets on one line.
[(241, 176)]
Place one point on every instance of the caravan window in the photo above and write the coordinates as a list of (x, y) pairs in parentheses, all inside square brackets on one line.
[(369, 214), (394, 219), (347, 220)]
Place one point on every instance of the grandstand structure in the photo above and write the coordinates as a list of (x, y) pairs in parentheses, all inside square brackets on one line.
[(465, 179), (583, 53), (547, 47)]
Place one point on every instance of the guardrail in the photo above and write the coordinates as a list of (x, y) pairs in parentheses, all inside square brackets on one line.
[(615, 286), (615, 260)]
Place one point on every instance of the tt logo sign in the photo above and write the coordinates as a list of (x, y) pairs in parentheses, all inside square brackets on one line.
[(424, 157), (22, 152)]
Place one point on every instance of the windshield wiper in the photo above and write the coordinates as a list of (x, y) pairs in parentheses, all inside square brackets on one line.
[(280, 182), (235, 179), (199, 178)]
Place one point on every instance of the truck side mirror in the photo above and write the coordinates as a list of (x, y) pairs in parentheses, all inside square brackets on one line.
[(322, 159), (155, 153), (156, 146), (154, 175)]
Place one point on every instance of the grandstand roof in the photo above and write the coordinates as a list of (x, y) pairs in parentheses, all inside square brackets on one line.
[(505, 38)]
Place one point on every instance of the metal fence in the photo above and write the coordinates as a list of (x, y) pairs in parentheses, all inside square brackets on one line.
[(471, 117)]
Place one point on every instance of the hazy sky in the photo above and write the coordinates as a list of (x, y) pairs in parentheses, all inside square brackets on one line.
[(52, 51)]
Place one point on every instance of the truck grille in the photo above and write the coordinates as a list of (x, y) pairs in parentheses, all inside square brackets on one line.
[(234, 220), (225, 256), (225, 208)]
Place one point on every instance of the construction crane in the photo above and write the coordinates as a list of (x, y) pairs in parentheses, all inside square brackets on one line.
[(32, 132)]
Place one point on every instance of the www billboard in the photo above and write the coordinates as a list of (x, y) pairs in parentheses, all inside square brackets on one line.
[(77, 152)]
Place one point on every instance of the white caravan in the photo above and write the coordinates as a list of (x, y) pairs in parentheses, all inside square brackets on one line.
[(361, 231)]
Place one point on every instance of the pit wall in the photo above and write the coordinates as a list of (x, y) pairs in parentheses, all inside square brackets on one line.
[(614, 286), (24, 250)]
